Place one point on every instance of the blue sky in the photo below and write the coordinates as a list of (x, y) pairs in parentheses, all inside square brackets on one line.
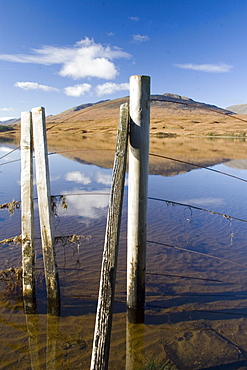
[(60, 54)]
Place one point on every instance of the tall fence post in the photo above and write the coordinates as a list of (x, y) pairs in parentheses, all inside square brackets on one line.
[(138, 192), (27, 213), (102, 332), (45, 211)]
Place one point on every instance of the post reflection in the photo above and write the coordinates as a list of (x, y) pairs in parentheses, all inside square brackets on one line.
[(34, 332), (134, 339), (34, 344), (52, 342)]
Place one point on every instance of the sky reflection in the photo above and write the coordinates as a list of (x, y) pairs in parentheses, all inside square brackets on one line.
[(87, 206)]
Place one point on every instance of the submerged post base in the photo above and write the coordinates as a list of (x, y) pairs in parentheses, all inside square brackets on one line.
[(30, 305), (135, 316), (54, 306)]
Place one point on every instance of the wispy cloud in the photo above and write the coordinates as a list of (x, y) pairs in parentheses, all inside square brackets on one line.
[(84, 59), (34, 86), (111, 88), (6, 109), (77, 90), (2, 119), (211, 68), (135, 19), (140, 38)]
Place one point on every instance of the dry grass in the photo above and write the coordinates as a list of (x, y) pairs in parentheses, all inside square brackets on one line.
[(174, 132)]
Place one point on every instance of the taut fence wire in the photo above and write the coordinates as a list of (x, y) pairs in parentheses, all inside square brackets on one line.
[(96, 106), (16, 204)]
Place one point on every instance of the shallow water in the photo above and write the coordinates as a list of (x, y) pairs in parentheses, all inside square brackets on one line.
[(196, 271)]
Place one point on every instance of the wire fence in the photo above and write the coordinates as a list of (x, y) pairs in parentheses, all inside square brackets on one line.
[(96, 106), (15, 205)]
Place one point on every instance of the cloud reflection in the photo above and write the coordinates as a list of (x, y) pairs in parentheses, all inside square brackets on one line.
[(5, 149), (77, 177), (88, 206), (102, 178), (204, 201)]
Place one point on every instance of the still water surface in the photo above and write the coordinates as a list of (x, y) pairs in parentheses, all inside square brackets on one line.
[(196, 271)]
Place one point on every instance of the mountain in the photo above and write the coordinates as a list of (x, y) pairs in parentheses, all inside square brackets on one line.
[(90, 129), (171, 115), (169, 101), (10, 121), (172, 103), (239, 108), (185, 103)]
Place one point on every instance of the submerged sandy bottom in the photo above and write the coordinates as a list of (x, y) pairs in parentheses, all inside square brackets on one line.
[(196, 290), (40, 341), (195, 315)]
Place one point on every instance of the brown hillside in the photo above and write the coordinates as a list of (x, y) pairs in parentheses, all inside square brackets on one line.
[(180, 128), (175, 117)]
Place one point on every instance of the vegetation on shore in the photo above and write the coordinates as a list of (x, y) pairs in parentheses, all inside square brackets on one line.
[(6, 128)]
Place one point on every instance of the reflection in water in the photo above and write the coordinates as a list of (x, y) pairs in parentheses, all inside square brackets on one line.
[(205, 202), (33, 333), (52, 342), (49, 358), (196, 271), (134, 345), (77, 177), (30, 303), (87, 206)]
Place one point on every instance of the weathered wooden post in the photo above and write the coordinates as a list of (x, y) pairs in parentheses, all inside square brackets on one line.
[(45, 211), (102, 333), (137, 193), (27, 213)]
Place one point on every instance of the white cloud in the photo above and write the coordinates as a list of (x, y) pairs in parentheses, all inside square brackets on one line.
[(34, 86), (84, 59), (55, 178), (2, 119), (136, 19), (213, 68), (140, 38), (77, 90), (6, 109), (77, 177), (110, 88)]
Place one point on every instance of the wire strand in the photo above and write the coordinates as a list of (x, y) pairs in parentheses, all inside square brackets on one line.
[(12, 151), (199, 209), (195, 252)]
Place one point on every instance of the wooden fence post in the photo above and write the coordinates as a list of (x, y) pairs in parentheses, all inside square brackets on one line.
[(27, 213), (102, 333), (138, 190), (45, 211)]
